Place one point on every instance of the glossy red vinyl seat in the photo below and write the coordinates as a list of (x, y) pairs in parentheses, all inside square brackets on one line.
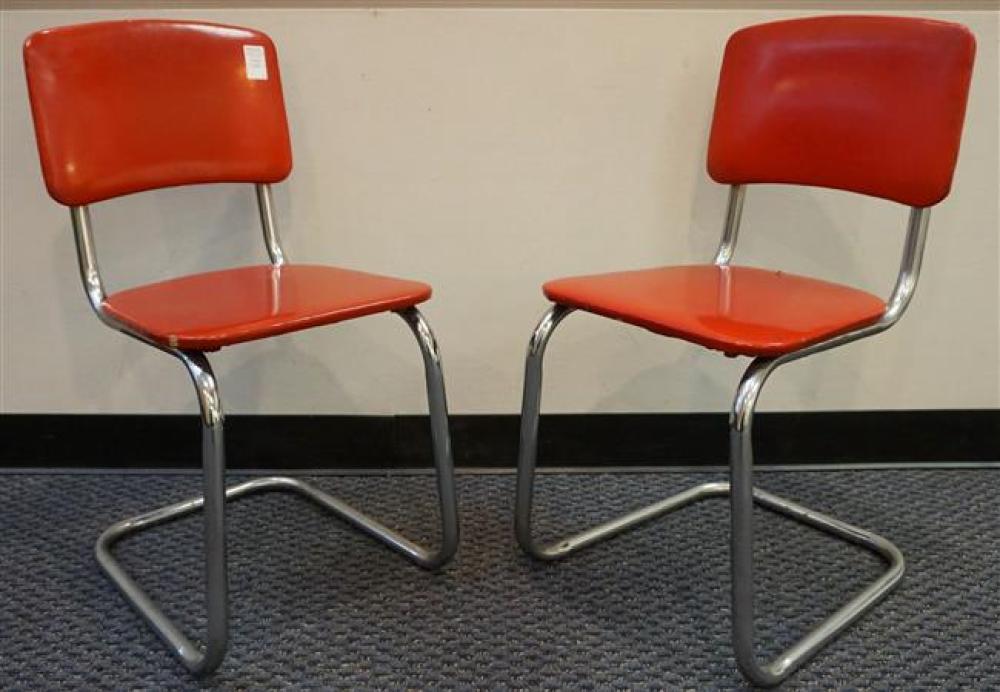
[(205, 312), (737, 310)]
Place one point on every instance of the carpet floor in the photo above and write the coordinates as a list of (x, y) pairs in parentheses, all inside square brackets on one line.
[(317, 605)]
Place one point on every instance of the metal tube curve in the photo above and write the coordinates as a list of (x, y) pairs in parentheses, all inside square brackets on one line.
[(198, 661), (441, 439), (743, 496), (528, 450)]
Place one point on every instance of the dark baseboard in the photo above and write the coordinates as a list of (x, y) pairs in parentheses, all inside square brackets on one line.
[(490, 441)]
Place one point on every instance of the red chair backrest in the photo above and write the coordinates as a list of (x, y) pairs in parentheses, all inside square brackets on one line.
[(125, 106), (868, 104)]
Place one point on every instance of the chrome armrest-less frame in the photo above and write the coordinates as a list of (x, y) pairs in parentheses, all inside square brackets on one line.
[(740, 487), (203, 661)]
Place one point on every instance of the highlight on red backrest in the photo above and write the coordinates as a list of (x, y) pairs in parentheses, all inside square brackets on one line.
[(868, 104), (125, 106)]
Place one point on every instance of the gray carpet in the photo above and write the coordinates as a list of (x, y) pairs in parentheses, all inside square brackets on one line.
[(316, 605)]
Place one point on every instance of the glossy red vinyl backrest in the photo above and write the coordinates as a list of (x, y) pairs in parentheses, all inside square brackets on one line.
[(868, 104), (125, 106)]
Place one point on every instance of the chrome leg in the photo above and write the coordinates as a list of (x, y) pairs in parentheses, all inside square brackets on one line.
[(203, 662), (743, 495), (198, 661), (441, 440), (528, 450), (527, 456)]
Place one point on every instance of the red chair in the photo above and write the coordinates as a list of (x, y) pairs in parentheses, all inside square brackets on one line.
[(868, 104), (121, 107)]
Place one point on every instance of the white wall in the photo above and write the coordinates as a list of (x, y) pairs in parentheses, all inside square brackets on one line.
[(485, 150)]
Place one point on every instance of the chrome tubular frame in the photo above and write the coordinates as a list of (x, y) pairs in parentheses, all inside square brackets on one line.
[(731, 229), (265, 205), (740, 488), (204, 660)]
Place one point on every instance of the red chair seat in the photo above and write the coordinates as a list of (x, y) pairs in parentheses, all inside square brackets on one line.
[(738, 310), (205, 312)]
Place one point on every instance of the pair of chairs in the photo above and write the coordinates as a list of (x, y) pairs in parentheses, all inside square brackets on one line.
[(873, 105)]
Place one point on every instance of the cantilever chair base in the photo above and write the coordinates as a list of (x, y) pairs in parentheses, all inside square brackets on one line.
[(799, 653), (174, 638), (204, 660), (567, 546), (743, 496)]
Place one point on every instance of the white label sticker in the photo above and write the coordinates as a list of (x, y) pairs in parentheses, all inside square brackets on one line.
[(255, 61)]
